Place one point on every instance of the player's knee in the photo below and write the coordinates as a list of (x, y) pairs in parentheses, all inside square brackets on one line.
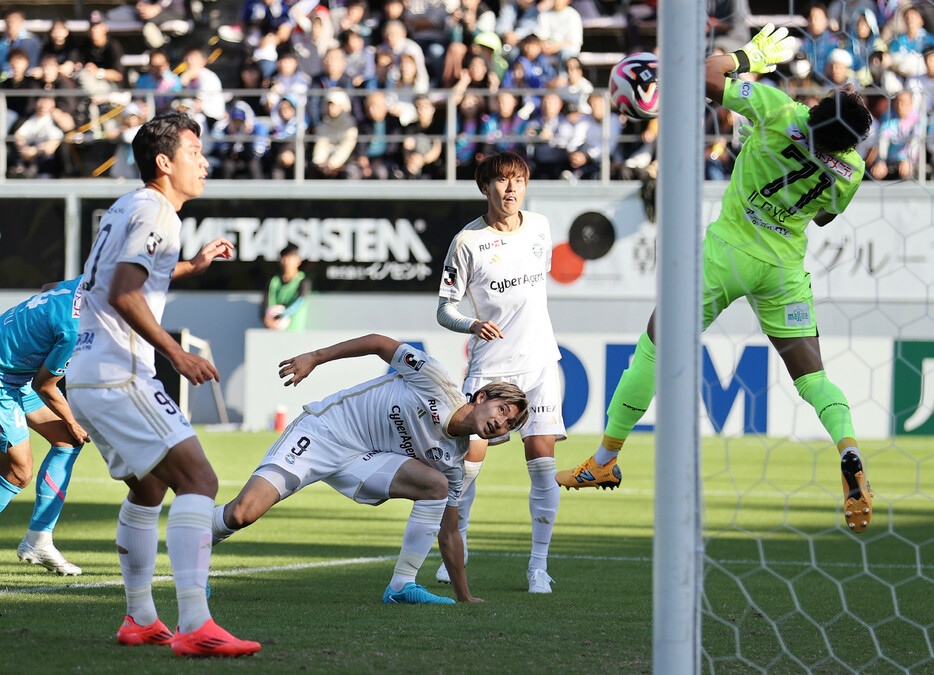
[(20, 475), (438, 488)]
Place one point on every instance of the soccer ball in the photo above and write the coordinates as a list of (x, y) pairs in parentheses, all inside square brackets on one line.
[(634, 86)]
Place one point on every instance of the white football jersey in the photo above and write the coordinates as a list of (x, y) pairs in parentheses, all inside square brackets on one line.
[(406, 412), (502, 276), (141, 227)]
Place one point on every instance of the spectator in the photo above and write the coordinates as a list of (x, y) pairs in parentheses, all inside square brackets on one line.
[(906, 50), (286, 306), (842, 15), (504, 122), (287, 80), (839, 71), (517, 19), (422, 148), (585, 158), (61, 44), (264, 24), (360, 59), (124, 165), (472, 127), (577, 88), (160, 79), (334, 75), (384, 69), (550, 134), (426, 23), (37, 140), (490, 47), (638, 157), (312, 44), (67, 111), (284, 133), (402, 88), (351, 17), (467, 21), (475, 75), (396, 43), (205, 83), (864, 40), (537, 72), (898, 140), (726, 24), (102, 72), (161, 19), (718, 151), (241, 143), (17, 37), (19, 107), (336, 137), (561, 30), (378, 156), (251, 77), (393, 10), (877, 75), (818, 40)]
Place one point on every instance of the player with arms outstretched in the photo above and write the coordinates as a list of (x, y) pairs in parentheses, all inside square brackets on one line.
[(112, 387), (403, 435), (493, 287), (798, 165), (36, 341)]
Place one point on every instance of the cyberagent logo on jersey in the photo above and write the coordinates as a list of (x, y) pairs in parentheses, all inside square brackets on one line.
[(412, 361), (152, 241)]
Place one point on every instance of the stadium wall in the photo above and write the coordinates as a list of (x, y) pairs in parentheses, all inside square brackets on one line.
[(376, 250)]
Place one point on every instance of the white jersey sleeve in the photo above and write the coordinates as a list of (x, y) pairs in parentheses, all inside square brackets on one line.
[(501, 277), (142, 228)]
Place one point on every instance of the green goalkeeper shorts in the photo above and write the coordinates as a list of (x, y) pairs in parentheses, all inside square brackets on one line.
[(780, 297)]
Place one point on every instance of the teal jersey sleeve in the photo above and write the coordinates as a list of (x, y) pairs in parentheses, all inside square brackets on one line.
[(778, 184)]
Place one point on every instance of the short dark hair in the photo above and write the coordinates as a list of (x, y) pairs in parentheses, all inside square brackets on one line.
[(160, 136), (509, 393), (290, 249), (839, 122), (505, 164)]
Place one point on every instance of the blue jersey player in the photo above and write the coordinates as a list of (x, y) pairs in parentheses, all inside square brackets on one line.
[(37, 338)]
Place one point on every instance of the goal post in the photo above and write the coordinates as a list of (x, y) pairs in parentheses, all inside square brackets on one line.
[(677, 555)]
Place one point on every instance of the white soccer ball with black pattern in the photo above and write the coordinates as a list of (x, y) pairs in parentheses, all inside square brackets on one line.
[(634, 86)]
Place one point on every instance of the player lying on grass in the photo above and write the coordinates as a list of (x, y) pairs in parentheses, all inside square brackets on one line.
[(400, 436), (798, 165), (37, 338)]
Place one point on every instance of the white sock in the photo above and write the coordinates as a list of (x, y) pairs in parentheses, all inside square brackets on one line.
[(137, 539), (543, 505), (188, 538), (603, 456), (38, 538), (219, 529), (420, 533)]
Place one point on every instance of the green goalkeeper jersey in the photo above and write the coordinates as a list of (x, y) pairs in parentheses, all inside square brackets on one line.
[(778, 186)]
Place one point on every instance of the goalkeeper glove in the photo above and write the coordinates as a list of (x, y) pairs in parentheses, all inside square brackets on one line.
[(769, 47)]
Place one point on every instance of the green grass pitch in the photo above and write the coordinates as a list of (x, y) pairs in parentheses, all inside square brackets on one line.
[(787, 588)]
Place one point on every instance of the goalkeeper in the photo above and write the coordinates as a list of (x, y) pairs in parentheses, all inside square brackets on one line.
[(798, 165)]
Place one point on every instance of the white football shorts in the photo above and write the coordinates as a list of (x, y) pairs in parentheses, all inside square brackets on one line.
[(543, 389), (133, 425), (307, 452)]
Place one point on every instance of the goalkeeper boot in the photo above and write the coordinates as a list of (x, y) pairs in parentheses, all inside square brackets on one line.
[(591, 474), (211, 640), (857, 495), (132, 634), (413, 594), (47, 556)]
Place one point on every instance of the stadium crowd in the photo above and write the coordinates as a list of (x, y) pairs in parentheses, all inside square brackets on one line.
[(376, 89)]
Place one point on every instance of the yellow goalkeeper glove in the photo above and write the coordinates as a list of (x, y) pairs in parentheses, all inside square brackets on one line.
[(769, 47)]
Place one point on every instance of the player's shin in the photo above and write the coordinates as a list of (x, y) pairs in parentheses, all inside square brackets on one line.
[(188, 538), (634, 392), (421, 530), (544, 496), (828, 401), (51, 486), (137, 539)]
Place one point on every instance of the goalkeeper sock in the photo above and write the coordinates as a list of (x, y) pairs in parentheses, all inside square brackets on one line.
[(51, 486), (831, 406), (634, 392)]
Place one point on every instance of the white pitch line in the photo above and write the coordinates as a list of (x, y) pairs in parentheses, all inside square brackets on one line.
[(365, 561)]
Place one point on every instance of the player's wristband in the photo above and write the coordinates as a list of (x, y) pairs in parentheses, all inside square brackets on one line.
[(740, 61)]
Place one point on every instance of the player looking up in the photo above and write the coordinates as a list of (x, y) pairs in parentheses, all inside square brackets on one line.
[(797, 165), (112, 387), (499, 263), (36, 340), (402, 435)]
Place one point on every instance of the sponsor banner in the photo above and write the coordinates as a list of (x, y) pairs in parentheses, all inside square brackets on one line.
[(32, 242), (746, 390), (913, 388), (374, 245)]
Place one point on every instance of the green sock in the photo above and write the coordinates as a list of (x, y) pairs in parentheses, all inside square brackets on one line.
[(634, 392), (831, 406)]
